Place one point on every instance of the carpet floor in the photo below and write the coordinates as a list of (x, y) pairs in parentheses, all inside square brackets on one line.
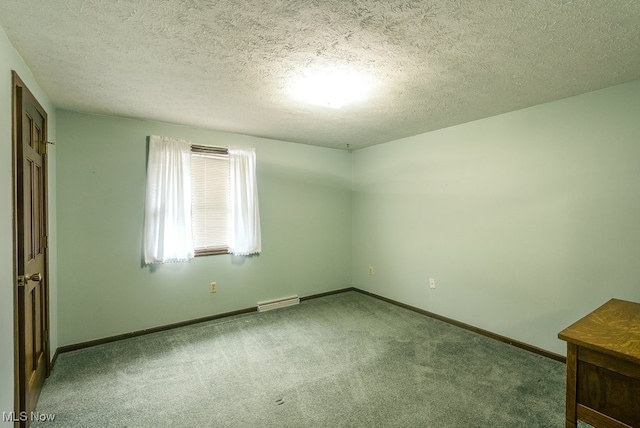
[(344, 360)]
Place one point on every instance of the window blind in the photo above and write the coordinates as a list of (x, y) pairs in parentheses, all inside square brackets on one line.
[(209, 201)]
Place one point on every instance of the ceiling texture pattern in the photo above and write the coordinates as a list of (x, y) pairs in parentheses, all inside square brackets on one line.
[(228, 64)]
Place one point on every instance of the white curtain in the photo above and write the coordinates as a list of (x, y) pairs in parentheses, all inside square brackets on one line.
[(167, 231), (244, 216)]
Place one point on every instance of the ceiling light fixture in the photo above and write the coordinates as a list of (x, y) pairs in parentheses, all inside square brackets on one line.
[(331, 87)]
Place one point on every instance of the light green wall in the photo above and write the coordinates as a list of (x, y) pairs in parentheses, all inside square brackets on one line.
[(527, 220), (10, 60), (305, 204)]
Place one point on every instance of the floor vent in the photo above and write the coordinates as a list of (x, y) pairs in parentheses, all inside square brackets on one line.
[(278, 303)]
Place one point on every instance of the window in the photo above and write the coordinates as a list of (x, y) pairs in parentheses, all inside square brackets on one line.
[(217, 202), (209, 200)]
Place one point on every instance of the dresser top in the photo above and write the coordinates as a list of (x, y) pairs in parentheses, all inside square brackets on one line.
[(613, 328)]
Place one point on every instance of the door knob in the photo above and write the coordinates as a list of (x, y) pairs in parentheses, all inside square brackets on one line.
[(23, 279), (33, 277)]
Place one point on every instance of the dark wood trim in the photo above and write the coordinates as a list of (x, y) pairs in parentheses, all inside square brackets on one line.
[(18, 379), (518, 344), (20, 91), (47, 234), (572, 382), (54, 359), (597, 419), (90, 343), (328, 293), (472, 328)]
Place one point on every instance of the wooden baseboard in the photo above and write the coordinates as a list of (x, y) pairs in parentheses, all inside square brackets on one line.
[(54, 359), (90, 343), (495, 336), (328, 293)]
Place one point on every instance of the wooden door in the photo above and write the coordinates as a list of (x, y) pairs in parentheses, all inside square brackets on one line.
[(31, 260)]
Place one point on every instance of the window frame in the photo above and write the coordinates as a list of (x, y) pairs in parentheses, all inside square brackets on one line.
[(209, 251)]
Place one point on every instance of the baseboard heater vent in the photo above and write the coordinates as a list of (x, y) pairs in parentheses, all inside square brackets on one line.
[(278, 303)]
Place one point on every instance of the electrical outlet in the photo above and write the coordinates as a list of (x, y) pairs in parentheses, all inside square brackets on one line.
[(432, 283), (370, 270), (214, 287)]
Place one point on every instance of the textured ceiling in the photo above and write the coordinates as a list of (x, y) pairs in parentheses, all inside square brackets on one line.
[(228, 64)]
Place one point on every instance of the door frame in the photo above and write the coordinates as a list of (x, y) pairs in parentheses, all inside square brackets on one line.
[(18, 88)]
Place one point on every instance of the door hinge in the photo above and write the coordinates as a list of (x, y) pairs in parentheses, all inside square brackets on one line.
[(45, 241)]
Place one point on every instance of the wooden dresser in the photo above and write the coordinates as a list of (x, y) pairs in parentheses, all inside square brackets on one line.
[(603, 366)]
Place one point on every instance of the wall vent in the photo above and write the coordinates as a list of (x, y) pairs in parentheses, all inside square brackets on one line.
[(278, 303)]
